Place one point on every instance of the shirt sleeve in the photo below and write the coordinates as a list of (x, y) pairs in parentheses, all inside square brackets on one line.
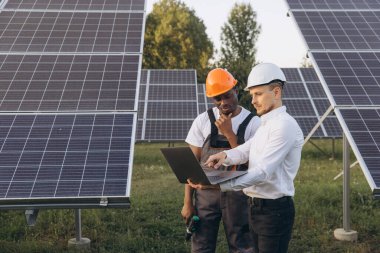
[(195, 136), (280, 142), (238, 155)]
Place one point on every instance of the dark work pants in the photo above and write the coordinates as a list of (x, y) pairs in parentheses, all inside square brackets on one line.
[(271, 223), (213, 206)]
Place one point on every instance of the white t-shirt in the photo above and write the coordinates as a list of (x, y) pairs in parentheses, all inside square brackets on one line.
[(201, 127)]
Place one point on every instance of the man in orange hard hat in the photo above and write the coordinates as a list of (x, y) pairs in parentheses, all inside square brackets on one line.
[(222, 127)]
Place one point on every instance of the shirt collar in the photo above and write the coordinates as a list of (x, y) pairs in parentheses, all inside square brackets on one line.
[(272, 114)]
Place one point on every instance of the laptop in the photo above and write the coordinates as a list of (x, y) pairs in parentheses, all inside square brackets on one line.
[(186, 166)]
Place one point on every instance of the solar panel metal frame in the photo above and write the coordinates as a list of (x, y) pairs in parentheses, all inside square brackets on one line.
[(78, 201), (354, 147), (64, 5)]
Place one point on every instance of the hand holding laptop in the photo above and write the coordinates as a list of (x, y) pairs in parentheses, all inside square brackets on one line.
[(203, 186), (186, 166)]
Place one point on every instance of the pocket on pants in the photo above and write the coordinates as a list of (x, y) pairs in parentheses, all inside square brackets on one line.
[(272, 222)]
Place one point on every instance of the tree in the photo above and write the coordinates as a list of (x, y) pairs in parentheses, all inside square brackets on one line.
[(239, 36), (176, 38)]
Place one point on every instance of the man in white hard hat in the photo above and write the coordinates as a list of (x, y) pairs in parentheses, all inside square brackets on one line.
[(274, 155)]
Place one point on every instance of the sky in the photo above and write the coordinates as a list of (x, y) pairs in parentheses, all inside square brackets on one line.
[(279, 41)]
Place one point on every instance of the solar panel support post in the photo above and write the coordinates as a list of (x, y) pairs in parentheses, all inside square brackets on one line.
[(345, 233), (31, 216), (328, 111), (332, 149), (79, 241)]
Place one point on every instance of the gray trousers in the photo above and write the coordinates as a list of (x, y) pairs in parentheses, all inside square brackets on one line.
[(212, 206)]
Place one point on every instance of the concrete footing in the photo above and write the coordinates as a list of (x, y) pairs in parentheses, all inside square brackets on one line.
[(343, 235), (83, 244)]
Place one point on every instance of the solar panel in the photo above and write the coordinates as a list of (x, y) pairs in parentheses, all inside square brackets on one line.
[(334, 4), (295, 90), (78, 5), (174, 130), (206, 101), (309, 75), (364, 136), (68, 89), (307, 123), (30, 31), (344, 43), (68, 82), (172, 92), (54, 156), (352, 78), (168, 103), (172, 76), (340, 30), (291, 74), (171, 110), (306, 100)]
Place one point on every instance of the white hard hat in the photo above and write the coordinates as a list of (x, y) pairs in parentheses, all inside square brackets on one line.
[(264, 73)]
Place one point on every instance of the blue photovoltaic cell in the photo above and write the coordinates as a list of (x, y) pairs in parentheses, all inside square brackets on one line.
[(364, 125), (302, 96), (171, 110), (68, 82), (78, 5), (157, 130), (172, 104), (307, 123), (340, 30), (334, 4), (351, 78), (291, 74), (309, 75), (294, 90), (70, 32), (64, 155), (175, 76), (172, 92)]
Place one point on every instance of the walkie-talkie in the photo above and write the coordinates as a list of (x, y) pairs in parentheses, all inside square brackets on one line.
[(192, 227)]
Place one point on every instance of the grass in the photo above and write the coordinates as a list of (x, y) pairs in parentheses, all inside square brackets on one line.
[(153, 222)]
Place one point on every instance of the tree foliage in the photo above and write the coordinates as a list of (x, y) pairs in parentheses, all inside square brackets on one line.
[(176, 38), (239, 36)]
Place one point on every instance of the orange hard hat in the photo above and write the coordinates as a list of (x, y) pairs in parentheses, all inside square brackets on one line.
[(219, 81)]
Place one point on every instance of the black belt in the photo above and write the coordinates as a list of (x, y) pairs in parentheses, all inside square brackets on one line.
[(270, 202)]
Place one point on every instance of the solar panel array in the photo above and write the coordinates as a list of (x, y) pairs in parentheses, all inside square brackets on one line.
[(168, 104), (333, 4), (204, 102), (77, 5), (32, 31), (344, 41), (69, 74), (306, 101)]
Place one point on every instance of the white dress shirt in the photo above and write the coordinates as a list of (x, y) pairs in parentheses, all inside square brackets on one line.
[(274, 155)]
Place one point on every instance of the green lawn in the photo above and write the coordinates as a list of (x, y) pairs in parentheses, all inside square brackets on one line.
[(153, 222)]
